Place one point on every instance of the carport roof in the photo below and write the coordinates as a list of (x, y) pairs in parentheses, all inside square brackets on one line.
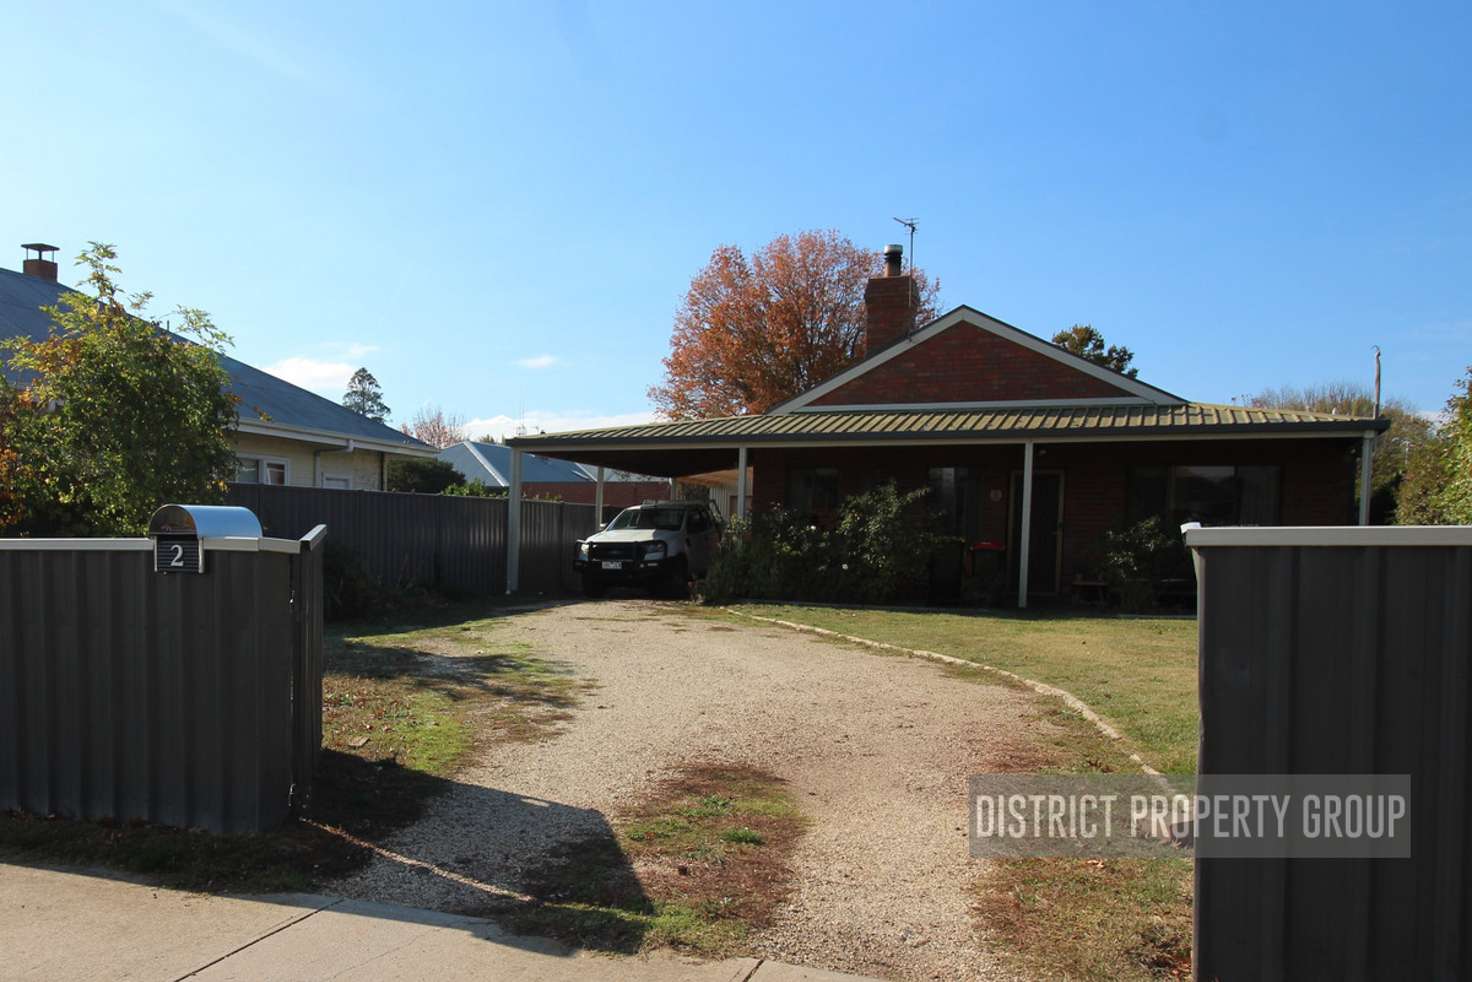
[(999, 423)]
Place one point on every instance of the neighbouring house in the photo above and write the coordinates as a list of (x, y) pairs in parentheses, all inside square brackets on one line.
[(548, 477), (285, 435), (1010, 432)]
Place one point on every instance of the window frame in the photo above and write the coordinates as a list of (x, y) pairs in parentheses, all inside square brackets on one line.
[(262, 460)]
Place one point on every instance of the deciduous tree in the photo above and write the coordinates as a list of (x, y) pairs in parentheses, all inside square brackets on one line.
[(432, 425), (364, 396), (1085, 341), (754, 331), (114, 415)]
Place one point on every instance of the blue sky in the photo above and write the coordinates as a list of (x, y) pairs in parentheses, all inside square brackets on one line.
[(498, 208)]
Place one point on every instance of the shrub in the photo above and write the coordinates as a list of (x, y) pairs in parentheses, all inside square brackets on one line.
[(350, 591), (475, 488), (422, 476), (1130, 559), (878, 552)]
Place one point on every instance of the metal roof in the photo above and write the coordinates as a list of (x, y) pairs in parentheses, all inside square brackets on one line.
[(1000, 423), (265, 400), (491, 463)]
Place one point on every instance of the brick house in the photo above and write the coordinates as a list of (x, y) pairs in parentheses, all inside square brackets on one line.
[(1009, 431)]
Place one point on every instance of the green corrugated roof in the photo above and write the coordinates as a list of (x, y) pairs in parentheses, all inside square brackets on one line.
[(1187, 419)]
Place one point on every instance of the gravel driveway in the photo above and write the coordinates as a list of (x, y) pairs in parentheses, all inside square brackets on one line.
[(876, 748)]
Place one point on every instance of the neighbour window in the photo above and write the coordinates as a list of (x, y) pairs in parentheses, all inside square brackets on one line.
[(273, 472), (812, 492), (954, 494), (337, 483), (247, 470), (1211, 495)]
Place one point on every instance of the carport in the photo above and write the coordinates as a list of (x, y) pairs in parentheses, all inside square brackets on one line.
[(1066, 473)]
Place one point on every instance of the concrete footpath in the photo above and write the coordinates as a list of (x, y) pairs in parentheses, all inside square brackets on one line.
[(69, 925)]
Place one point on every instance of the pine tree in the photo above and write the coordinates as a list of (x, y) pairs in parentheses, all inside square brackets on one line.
[(365, 397)]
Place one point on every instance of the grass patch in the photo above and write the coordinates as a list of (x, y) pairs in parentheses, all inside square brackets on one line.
[(1080, 918), (696, 866), (404, 707), (1072, 918), (1139, 673)]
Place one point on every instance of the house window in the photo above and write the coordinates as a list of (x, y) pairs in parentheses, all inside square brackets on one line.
[(954, 496), (337, 482), (261, 470), (812, 492), (1211, 495)]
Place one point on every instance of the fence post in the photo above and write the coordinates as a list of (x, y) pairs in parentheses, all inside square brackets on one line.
[(306, 665), (513, 526)]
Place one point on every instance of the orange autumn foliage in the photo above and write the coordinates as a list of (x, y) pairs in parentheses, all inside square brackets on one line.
[(756, 331)]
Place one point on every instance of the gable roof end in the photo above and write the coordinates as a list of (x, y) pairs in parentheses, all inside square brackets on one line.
[(963, 314)]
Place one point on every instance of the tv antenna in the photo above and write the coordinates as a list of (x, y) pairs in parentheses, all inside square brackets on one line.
[(911, 224)]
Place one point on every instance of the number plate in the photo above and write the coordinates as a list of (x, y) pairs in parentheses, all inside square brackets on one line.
[(612, 564), (177, 554)]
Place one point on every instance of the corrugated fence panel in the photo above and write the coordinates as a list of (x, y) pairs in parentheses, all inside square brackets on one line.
[(131, 695), (1340, 660), (307, 667), (452, 544)]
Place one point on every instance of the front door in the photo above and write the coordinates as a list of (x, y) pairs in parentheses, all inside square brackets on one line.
[(1046, 536)]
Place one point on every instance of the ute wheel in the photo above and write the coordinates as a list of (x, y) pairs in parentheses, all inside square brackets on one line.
[(593, 587), (675, 582)]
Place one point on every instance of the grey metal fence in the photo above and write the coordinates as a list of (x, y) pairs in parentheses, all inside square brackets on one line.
[(190, 700), (1339, 651), (457, 545), (549, 534)]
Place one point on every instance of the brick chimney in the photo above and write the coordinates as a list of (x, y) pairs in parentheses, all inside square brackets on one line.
[(40, 266), (889, 302)]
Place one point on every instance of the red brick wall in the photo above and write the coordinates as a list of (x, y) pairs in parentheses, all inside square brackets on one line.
[(1316, 486), (967, 364), (615, 493)]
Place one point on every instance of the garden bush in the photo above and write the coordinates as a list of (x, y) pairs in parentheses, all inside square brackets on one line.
[(878, 551), (1130, 562)]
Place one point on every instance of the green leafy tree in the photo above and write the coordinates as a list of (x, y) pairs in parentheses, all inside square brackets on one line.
[(421, 476), (1409, 436), (1086, 342), (1456, 496), (365, 397), (114, 414), (1438, 484)]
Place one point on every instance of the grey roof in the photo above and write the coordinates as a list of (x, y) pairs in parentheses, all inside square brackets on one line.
[(264, 398), (491, 463)]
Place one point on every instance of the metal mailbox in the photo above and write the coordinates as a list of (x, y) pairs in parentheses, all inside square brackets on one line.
[(181, 533)]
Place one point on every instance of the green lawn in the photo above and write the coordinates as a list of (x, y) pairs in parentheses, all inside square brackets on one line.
[(1139, 673)]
